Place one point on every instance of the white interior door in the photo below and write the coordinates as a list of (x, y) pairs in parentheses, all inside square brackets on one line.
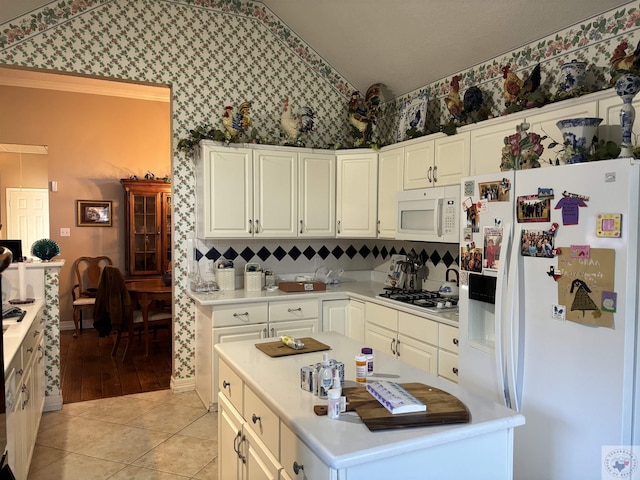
[(27, 215)]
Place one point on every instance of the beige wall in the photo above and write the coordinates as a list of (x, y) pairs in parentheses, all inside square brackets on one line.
[(93, 141)]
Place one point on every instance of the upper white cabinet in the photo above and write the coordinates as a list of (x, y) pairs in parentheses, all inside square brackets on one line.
[(433, 162), (487, 140), (225, 192), (267, 192), (317, 195), (390, 178), (356, 194)]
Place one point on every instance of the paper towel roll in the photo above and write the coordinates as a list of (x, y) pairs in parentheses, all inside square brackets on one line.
[(22, 281)]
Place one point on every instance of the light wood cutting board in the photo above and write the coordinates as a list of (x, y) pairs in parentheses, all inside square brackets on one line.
[(442, 408)]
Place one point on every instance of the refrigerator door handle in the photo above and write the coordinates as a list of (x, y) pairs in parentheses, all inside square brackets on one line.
[(501, 326), (512, 334)]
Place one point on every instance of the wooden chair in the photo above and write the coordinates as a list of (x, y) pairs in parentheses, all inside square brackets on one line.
[(87, 270)]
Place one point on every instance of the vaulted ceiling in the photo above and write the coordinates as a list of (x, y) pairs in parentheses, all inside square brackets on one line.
[(410, 43)]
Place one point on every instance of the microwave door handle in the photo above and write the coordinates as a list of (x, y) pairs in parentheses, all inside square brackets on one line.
[(438, 216)]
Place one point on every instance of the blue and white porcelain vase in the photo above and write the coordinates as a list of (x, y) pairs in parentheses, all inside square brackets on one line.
[(627, 86), (572, 76), (577, 136)]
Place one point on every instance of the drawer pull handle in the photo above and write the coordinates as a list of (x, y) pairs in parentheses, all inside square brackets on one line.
[(259, 229), (291, 310), (297, 467), (225, 384), (398, 348), (301, 226), (256, 419), (455, 370), (236, 444), (393, 344), (250, 226), (455, 341), (245, 314), (339, 225)]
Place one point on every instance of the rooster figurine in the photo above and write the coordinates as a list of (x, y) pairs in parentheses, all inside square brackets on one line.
[(363, 113), (453, 101), (512, 84), (623, 62), (237, 123), (294, 125)]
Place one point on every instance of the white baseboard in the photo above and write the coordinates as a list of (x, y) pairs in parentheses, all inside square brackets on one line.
[(71, 326), (179, 385), (52, 403)]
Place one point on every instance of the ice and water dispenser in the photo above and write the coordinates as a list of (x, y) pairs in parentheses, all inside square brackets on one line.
[(482, 310)]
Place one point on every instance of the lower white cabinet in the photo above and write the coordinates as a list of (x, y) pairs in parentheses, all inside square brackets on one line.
[(246, 321), (298, 461), (345, 317), (448, 353), (411, 338), (418, 341), (24, 392)]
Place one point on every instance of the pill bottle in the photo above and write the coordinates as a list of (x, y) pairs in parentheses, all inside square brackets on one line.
[(333, 408), (369, 354), (361, 368)]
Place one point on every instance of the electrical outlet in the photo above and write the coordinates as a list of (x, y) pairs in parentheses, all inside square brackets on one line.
[(558, 312), (65, 232), (209, 266)]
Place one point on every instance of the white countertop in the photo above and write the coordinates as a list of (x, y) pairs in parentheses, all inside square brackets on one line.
[(347, 441), (366, 291), (13, 337)]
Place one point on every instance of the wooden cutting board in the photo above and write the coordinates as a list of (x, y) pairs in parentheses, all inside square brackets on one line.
[(278, 349), (442, 408)]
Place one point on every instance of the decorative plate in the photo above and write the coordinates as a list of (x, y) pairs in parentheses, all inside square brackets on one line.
[(413, 114)]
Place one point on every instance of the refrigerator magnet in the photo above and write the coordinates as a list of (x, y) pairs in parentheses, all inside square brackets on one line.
[(570, 206), (579, 251), (609, 301), (469, 188), (609, 225), (530, 208), (554, 273), (467, 203), (544, 193)]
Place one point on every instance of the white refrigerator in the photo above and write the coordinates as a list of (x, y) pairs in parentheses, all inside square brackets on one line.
[(549, 317)]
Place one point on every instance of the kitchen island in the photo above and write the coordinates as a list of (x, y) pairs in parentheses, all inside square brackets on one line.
[(267, 422)]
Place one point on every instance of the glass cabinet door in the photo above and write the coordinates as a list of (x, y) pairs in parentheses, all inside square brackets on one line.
[(146, 233)]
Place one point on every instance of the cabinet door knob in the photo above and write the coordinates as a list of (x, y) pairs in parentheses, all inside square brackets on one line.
[(455, 370), (455, 341), (225, 384), (255, 419), (297, 467)]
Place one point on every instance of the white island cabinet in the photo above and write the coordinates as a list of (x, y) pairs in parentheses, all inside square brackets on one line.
[(267, 427)]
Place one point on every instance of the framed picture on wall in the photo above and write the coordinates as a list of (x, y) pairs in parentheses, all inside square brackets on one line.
[(93, 213)]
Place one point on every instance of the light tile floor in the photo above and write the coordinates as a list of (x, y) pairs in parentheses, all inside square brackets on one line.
[(148, 436)]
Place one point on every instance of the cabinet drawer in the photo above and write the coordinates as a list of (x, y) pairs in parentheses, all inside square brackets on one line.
[(294, 451), (30, 342), (239, 314), (448, 338), (448, 365), (383, 316), (230, 385), (262, 420), (280, 311), (419, 328)]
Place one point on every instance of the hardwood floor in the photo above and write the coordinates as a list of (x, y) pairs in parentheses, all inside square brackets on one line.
[(89, 372)]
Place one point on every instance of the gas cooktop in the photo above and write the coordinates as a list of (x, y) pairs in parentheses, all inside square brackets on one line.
[(424, 299)]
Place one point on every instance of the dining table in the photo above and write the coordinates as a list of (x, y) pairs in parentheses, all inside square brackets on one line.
[(144, 292)]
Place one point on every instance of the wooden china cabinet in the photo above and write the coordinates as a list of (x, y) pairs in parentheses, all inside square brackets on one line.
[(148, 219)]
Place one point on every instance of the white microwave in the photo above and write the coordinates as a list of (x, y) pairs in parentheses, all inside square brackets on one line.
[(429, 214)]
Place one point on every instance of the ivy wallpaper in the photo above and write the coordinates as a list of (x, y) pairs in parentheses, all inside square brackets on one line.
[(221, 52)]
